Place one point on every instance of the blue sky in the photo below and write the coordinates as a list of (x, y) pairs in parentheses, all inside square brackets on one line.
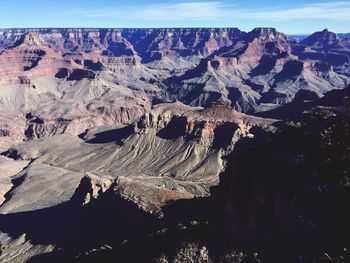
[(298, 16)]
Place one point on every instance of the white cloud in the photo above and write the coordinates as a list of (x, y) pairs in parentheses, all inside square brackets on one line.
[(179, 11), (187, 11), (339, 11), (182, 11)]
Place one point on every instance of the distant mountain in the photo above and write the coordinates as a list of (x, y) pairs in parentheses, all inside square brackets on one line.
[(322, 39), (300, 37), (344, 35), (297, 37), (305, 100)]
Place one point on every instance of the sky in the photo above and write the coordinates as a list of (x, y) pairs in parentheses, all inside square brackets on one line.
[(288, 16)]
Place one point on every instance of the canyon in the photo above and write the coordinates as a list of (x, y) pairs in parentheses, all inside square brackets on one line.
[(142, 125)]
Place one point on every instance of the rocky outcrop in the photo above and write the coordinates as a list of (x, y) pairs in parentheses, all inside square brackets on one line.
[(91, 187), (9, 168), (21, 250), (112, 116)]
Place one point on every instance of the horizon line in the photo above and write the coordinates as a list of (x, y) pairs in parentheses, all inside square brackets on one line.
[(175, 27)]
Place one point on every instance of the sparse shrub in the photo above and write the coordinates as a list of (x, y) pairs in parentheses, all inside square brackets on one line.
[(234, 257), (192, 253), (162, 259)]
